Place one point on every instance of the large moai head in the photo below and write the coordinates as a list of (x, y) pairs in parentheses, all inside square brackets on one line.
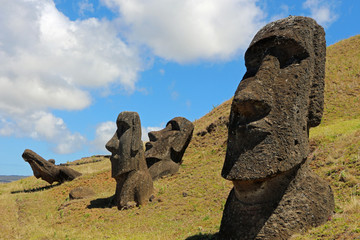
[(127, 153), (279, 98), (169, 143)]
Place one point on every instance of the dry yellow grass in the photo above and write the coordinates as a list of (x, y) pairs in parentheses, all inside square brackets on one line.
[(189, 205)]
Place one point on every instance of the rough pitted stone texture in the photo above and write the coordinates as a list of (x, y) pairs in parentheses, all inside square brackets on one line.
[(51, 161), (46, 170), (166, 147), (280, 97), (81, 192), (128, 165)]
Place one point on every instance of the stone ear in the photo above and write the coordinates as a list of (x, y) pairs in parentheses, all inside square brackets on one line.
[(183, 140), (316, 104), (180, 142), (136, 134)]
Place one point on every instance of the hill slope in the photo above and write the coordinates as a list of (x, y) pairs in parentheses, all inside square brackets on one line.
[(10, 178), (189, 205)]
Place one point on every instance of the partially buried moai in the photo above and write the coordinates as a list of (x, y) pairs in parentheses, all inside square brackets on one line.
[(47, 170), (134, 185), (280, 97), (166, 147)]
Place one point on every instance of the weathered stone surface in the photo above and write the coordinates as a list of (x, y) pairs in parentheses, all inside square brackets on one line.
[(166, 147), (280, 97), (81, 192), (51, 161), (46, 170), (128, 166)]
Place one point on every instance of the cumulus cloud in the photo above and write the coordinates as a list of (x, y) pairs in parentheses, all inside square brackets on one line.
[(146, 130), (322, 11), (104, 132), (6, 128), (85, 6), (49, 62), (187, 30), (42, 125), (70, 143), (39, 43)]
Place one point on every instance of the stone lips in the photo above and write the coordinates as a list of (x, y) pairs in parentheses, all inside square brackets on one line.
[(47, 170), (275, 193), (166, 147)]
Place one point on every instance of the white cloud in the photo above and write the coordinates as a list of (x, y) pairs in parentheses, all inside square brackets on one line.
[(85, 6), (41, 125), (70, 143), (322, 11), (49, 62), (23, 94), (146, 130), (6, 128), (104, 132), (188, 30)]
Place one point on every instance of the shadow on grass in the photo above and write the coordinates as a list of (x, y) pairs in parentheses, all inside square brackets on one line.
[(201, 236), (101, 203), (38, 189)]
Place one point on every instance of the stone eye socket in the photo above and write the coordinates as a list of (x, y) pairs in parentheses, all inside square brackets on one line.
[(286, 50), (122, 127), (174, 125), (248, 111), (287, 56)]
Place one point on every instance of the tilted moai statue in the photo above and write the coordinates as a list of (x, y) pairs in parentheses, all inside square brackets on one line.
[(47, 170), (280, 97), (128, 166), (166, 147)]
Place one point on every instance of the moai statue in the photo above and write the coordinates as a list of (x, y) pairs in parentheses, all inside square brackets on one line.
[(47, 170), (166, 147), (128, 166), (280, 97)]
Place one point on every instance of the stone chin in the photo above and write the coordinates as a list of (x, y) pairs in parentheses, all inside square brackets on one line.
[(119, 167), (252, 153), (157, 151)]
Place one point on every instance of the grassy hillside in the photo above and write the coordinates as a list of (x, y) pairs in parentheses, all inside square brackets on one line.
[(336, 142), (342, 80), (10, 178), (189, 205)]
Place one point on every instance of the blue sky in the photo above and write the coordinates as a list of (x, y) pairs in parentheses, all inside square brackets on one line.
[(68, 68)]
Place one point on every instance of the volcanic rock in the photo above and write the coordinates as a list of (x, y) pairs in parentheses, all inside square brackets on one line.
[(166, 147), (280, 97), (48, 171), (128, 166)]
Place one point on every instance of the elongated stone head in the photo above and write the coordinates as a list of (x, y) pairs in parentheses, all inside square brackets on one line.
[(279, 98), (127, 153), (169, 143)]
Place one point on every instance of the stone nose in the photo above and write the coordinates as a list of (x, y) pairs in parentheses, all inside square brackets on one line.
[(112, 144), (250, 108)]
